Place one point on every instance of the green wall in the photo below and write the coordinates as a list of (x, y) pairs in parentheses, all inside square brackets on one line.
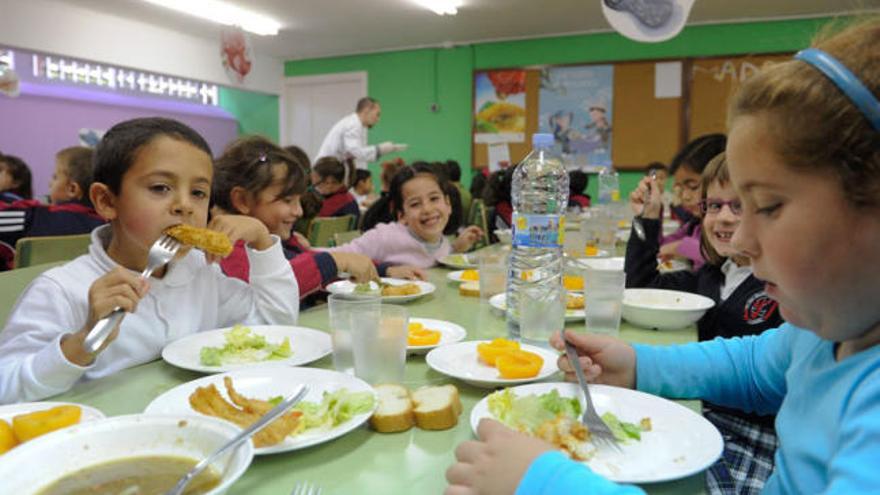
[(256, 113), (407, 82)]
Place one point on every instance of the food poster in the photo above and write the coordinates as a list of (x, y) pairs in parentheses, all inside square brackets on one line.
[(575, 106), (500, 106)]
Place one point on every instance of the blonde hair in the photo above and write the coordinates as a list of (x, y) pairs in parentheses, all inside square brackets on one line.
[(715, 172), (814, 125)]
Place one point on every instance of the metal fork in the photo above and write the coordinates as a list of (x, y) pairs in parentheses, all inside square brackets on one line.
[(160, 253), (306, 488), (599, 431)]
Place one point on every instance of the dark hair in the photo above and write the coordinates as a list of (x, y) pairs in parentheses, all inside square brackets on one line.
[(655, 166), (408, 173), (478, 185), (249, 163), (361, 174), (78, 160), (365, 103), (577, 181), (330, 166), (498, 187), (390, 168), (696, 154), (300, 154), (21, 174), (118, 149), (453, 171)]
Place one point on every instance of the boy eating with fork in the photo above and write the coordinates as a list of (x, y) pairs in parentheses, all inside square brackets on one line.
[(150, 174)]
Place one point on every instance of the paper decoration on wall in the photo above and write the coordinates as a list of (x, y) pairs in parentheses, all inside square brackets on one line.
[(649, 21), (236, 53), (90, 137), (576, 107), (500, 106), (9, 83)]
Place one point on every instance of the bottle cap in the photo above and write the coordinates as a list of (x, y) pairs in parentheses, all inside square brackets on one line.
[(542, 140)]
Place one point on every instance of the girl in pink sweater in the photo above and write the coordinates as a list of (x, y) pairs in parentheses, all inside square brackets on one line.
[(421, 205)]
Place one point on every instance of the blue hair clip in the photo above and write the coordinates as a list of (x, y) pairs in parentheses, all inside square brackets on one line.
[(844, 79)]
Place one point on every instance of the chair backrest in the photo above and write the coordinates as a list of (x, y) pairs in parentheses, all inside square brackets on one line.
[(13, 282), (31, 251), (479, 217), (341, 238), (322, 229)]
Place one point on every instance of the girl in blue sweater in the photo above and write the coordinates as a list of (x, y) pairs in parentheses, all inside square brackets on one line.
[(804, 155)]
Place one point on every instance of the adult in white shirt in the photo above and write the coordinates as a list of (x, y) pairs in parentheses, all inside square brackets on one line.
[(348, 137)]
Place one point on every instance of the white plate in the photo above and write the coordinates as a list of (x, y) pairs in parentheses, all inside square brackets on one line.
[(347, 287), (459, 261), (456, 276), (461, 361), (271, 381), (12, 410), (450, 333), (681, 442), (306, 345), (499, 302)]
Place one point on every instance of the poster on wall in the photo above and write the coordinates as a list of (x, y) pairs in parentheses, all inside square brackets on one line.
[(575, 106), (500, 106)]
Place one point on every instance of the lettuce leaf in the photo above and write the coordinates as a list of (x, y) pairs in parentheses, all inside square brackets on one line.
[(244, 346), (622, 431), (335, 408), (528, 412)]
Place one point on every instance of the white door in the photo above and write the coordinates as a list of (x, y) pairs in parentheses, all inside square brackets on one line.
[(312, 104)]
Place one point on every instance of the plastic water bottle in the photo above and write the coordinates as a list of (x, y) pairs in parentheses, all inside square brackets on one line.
[(609, 186), (535, 294)]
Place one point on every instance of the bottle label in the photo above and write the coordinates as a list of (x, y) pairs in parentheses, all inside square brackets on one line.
[(538, 231)]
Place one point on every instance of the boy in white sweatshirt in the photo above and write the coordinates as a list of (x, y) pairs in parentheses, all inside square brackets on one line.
[(150, 174)]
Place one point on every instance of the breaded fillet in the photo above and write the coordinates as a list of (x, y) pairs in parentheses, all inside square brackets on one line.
[(209, 241), (208, 401)]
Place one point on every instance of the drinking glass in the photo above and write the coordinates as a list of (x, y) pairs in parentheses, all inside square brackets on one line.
[(348, 312)]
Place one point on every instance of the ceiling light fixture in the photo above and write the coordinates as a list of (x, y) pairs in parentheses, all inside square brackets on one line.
[(441, 7), (223, 13)]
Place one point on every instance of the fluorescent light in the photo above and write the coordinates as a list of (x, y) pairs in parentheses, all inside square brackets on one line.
[(441, 7), (223, 13)]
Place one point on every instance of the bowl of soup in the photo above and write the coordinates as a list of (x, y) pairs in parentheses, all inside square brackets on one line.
[(663, 309), (137, 454)]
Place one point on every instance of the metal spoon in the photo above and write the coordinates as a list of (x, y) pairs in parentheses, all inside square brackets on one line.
[(637, 221)]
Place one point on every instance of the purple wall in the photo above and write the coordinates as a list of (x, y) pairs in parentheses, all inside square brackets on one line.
[(45, 119)]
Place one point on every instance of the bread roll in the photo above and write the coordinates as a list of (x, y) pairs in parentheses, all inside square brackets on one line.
[(395, 410), (437, 407)]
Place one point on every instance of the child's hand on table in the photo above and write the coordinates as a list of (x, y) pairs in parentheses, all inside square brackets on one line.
[(360, 267), (495, 464), (241, 227), (117, 288), (407, 272), (606, 360), (467, 238)]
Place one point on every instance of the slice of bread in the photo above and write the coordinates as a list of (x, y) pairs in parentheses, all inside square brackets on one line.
[(437, 407), (395, 410), (469, 289)]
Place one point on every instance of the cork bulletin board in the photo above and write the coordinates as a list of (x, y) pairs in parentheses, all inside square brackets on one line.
[(647, 128)]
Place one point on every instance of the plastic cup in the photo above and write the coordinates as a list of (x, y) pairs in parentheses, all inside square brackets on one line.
[(493, 274), (348, 312), (603, 300), (379, 345)]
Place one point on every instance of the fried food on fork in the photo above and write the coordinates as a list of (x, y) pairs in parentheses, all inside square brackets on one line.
[(207, 400), (209, 241)]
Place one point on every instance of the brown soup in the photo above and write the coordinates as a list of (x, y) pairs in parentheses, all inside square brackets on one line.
[(148, 475)]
